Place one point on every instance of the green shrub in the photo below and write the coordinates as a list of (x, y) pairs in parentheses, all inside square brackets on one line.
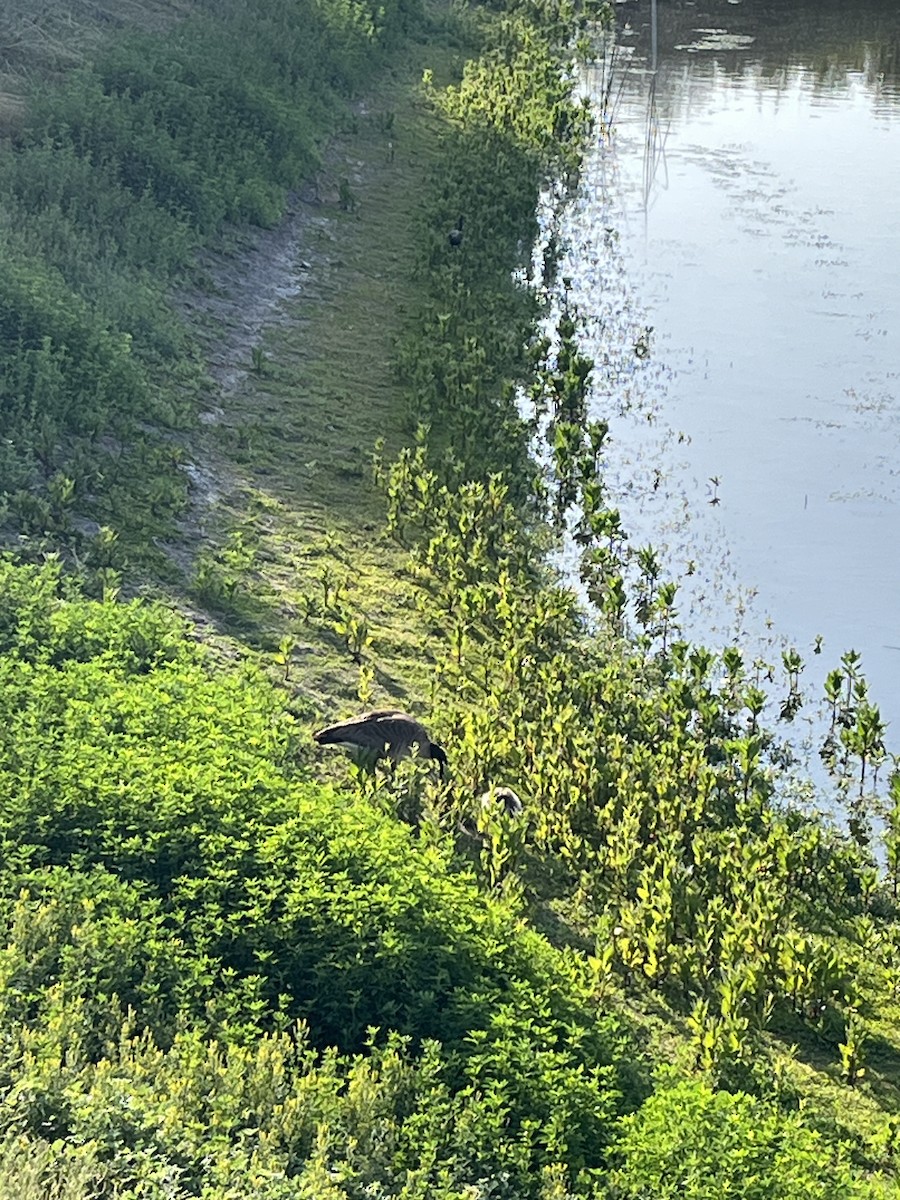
[(689, 1142), (171, 893), (35, 1169), (120, 171)]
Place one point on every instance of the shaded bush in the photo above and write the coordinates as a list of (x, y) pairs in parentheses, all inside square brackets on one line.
[(163, 871)]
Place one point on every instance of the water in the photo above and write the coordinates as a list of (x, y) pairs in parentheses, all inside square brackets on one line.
[(743, 222)]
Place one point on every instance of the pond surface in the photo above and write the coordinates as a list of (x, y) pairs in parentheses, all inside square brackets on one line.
[(746, 206)]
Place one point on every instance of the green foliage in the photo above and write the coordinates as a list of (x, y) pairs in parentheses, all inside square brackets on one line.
[(122, 169), (220, 978), (654, 819), (34, 1169), (274, 1120), (163, 873), (510, 125), (688, 1142)]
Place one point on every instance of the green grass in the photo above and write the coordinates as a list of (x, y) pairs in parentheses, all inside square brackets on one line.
[(283, 554), (296, 442), (60, 34), (292, 449)]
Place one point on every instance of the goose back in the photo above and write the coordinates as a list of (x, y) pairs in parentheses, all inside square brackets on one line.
[(384, 732)]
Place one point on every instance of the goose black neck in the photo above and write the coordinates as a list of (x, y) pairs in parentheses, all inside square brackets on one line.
[(439, 755)]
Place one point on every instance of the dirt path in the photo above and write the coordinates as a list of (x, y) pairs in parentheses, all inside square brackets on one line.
[(299, 325), (246, 290), (265, 295)]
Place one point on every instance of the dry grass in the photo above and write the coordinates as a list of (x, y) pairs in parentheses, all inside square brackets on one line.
[(49, 36)]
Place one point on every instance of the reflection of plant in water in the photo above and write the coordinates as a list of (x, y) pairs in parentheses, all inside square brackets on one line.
[(793, 667)]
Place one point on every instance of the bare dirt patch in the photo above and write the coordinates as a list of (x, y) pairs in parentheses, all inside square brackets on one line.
[(261, 281), (245, 288)]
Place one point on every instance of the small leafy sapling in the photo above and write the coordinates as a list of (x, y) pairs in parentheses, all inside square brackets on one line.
[(284, 655), (853, 1048)]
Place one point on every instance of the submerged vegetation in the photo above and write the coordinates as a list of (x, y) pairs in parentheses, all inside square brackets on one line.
[(223, 976)]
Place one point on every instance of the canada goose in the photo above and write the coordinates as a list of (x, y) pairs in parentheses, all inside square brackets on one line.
[(499, 801), (383, 733), (508, 800), (455, 236)]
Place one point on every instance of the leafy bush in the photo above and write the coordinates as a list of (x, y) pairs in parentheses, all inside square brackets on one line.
[(34, 1169), (689, 1142), (172, 893), (121, 170)]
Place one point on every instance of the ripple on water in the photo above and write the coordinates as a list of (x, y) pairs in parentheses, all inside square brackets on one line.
[(736, 211)]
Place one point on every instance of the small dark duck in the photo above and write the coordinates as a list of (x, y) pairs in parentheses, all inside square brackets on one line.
[(455, 236)]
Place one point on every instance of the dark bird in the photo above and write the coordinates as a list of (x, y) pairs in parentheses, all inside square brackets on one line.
[(384, 733), (455, 236)]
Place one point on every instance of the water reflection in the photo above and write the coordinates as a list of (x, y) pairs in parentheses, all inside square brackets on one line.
[(828, 39), (746, 209)]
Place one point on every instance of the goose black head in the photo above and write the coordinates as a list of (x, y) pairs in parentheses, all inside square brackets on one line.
[(439, 754), (496, 802), (509, 801)]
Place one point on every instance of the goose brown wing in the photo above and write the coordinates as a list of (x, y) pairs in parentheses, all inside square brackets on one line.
[(373, 730), (395, 729)]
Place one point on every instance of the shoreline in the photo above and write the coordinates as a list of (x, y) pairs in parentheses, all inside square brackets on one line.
[(650, 964)]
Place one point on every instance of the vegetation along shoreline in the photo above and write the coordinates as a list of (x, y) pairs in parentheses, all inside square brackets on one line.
[(600, 958)]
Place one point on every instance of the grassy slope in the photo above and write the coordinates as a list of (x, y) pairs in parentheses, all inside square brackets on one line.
[(292, 449), (55, 36), (284, 475), (289, 457), (299, 442)]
